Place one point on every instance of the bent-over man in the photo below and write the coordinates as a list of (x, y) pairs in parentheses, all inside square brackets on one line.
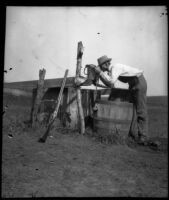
[(138, 87)]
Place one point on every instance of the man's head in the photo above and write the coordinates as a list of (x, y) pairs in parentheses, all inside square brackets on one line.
[(104, 63)]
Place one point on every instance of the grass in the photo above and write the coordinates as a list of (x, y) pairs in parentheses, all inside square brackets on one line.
[(73, 165)]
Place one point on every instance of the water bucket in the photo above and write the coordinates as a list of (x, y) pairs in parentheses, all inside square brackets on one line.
[(113, 118)]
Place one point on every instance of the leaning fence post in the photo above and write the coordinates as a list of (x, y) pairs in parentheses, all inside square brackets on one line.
[(54, 114)]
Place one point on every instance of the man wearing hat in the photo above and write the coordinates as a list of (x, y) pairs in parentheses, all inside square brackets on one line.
[(138, 87)]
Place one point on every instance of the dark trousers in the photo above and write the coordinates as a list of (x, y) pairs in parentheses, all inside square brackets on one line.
[(139, 124)]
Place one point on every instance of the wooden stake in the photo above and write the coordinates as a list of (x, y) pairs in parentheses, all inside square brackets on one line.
[(78, 92), (39, 96)]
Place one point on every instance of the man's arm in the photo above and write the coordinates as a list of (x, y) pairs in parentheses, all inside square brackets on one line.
[(106, 81), (103, 78)]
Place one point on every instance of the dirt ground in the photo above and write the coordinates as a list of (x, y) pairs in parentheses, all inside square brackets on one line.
[(73, 165)]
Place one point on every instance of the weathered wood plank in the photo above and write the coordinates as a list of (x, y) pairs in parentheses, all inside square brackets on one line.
[(48, 83), (72, 108)]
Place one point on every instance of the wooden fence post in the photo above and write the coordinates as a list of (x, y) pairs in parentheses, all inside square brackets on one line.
[(78, 92), (39, 96)]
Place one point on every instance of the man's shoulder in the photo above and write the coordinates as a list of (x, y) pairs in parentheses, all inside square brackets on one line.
[(120, 65), (117, 66)]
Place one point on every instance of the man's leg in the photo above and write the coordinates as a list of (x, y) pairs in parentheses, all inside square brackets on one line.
[(141, 111), (133, 132), (141, 108)]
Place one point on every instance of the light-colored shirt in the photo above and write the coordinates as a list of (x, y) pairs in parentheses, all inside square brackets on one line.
[(118, 69)]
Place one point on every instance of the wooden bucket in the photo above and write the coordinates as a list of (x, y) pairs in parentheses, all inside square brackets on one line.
[(113, 118)]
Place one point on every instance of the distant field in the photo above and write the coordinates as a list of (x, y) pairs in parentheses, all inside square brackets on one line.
[(157, 101), (158, 116), (157, 112), (151, 100)]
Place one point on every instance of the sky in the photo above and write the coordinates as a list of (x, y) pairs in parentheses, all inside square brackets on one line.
[(47, 37)]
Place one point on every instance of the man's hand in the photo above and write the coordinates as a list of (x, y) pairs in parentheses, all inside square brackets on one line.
[(98, 70)]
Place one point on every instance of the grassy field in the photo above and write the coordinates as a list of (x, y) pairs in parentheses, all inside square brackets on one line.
[(158, 116), (72, 165)]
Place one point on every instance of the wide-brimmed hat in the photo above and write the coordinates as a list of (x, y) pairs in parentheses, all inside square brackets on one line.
[(103, 60)]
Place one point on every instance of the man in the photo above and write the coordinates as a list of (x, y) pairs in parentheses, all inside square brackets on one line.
[(138, 87)]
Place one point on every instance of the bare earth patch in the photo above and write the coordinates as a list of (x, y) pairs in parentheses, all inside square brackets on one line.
[(72, 165)]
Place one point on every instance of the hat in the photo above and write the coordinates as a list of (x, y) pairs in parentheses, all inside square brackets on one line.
[(103, 59)]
